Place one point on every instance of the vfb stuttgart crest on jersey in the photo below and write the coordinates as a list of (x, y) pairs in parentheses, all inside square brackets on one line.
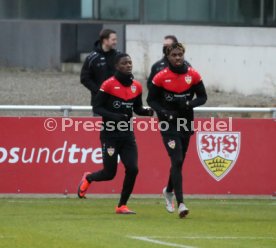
[(133, 88), (188, 79), (218, 152)]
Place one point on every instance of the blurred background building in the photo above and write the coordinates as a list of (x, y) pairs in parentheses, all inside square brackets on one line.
[(203, 12), (231, 42)]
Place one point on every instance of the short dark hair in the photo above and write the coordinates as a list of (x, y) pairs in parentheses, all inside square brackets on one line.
[(174, 46), (105, 33), (119, 56), (172, 37)]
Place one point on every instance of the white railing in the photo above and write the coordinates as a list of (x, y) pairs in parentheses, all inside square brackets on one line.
[(66, 109)]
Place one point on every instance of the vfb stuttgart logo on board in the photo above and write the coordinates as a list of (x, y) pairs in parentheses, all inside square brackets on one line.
[(218, 152)]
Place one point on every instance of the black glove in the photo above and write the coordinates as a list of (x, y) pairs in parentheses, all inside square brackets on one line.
[(182, 102), (149, 111), (122, 117), (167, 114), (184, 105)]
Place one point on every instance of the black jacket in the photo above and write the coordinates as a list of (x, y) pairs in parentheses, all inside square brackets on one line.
[(98, 66), (159, 66)]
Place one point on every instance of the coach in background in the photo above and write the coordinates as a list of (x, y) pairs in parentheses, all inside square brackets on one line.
[(162, 63), (175, 91), (99, 64)]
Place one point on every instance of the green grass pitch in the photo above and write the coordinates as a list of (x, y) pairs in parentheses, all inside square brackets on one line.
[(65, 223)]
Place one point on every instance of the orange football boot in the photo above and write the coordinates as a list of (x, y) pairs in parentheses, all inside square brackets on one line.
[(124, 210), (83, 185)]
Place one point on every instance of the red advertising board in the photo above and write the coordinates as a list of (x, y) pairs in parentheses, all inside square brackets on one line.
[(49, 155)]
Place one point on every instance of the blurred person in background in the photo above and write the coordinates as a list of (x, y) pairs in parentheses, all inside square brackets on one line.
[(99, 64), (175, 91)]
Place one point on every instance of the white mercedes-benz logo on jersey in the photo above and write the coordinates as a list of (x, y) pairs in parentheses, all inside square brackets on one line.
[(169, 97), (116, 104)]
